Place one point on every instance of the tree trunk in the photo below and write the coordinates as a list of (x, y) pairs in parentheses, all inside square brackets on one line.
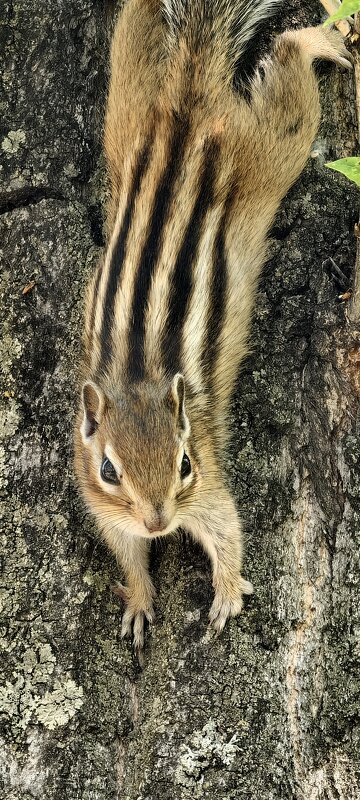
[(269, 708)]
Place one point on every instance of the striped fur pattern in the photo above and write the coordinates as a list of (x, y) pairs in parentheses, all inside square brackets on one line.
[(235, 22), (197, 174)]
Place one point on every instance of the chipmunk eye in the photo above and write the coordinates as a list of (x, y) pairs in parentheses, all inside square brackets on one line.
[(108, 472), (185, 468)]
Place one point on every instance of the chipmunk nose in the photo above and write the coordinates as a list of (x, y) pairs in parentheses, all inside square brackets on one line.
[(155, 523)]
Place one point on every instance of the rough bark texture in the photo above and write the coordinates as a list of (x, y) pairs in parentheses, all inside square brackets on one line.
[(269, 709)]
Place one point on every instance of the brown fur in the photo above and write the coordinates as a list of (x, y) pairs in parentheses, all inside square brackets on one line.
[(143, 426)]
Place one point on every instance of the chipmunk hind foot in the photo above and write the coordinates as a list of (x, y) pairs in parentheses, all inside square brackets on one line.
[(321, 43)]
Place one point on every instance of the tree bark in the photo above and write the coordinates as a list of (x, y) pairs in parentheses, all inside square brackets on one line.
[(268, 709)]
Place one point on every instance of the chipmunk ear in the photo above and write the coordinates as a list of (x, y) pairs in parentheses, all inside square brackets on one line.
[(175, 397), (93, 400)]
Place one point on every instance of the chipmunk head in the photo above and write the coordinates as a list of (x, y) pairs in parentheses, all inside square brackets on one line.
[(133, 455)]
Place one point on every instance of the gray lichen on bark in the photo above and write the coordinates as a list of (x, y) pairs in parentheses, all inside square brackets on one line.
[(269, 709)]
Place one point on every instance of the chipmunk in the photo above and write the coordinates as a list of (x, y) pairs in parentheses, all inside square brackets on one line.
[(197, 172)]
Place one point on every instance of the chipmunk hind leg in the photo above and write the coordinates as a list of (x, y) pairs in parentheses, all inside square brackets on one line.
[(285, 108), (321, 43)]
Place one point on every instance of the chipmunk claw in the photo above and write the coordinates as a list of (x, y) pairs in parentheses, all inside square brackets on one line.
[(338, 51), (137, 612), (133, 623)]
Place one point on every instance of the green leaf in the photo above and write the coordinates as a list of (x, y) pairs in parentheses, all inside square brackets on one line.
[(350, 167), (347, 8)]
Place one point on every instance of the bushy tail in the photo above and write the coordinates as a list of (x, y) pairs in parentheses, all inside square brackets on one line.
[(225, 24)]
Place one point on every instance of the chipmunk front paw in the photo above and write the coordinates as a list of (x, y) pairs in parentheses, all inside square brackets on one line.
[(137, 611), (135, 621), (228, 603)]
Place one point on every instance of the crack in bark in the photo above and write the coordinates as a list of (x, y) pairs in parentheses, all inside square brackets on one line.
[(27, 196)]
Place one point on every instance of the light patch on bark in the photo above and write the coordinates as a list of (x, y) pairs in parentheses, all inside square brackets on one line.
[(120, 768), (305, 640), (133, 701), (9, 418), (345, 779), (56, 708), (29, 774), (10, 351), (337, 778), (205, 746), (22, 700), (192, 616), (11, 143)]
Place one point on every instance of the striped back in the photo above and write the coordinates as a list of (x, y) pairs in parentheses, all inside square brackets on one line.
[(157, 306)]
